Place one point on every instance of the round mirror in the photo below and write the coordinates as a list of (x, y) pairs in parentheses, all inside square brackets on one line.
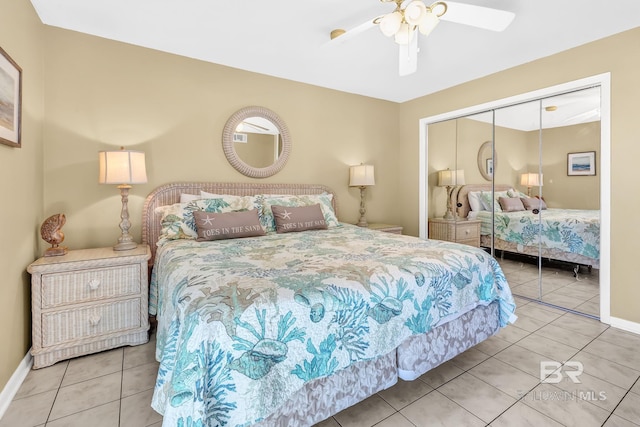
[(487, 163), (256, 142)]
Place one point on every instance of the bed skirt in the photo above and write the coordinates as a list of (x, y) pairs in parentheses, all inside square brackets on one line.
[(324, 397), (421, 353), (553, 254)]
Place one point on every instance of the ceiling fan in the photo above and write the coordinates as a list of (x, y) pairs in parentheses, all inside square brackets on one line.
[(413, 16)]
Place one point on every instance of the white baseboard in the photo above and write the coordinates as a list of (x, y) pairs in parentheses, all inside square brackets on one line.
[(12, 387), (625, 325)]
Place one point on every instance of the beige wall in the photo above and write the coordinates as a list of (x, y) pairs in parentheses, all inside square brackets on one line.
[(559, 189), (616, 54), (454, 144), (21, 185), (102, 94)]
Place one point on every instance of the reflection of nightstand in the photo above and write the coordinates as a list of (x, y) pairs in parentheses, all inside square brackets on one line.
[(387, 228), (88, 301), (460, 231)]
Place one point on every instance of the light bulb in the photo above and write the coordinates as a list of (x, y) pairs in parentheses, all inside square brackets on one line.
[(429, 22), (415, 12), (390, 23)]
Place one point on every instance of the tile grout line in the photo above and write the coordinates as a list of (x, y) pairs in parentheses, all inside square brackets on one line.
[(56, 396), (121, 390), (542, 382), (623, 397)]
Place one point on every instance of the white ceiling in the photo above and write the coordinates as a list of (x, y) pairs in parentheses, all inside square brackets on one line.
[(571, 108), (289, 39)]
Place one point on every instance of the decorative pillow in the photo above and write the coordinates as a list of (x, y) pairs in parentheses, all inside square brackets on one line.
[(301, 218), (505, 193), (229, 225), (206, 195), (516, 193), (474, 201), (511, 204), (487, 200), (531, 203), (186, 198), (268, 200), (178, 221)]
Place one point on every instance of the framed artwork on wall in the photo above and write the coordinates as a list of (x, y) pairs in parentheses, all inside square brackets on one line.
[(10, 101), (489, 167), (581, 163)]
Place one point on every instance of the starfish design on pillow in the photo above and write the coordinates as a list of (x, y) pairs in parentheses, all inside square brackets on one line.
[(286, 215), (207, 221)]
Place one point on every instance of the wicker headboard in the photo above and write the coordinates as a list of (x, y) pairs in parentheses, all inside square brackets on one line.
[(169, 194), (462, 195)]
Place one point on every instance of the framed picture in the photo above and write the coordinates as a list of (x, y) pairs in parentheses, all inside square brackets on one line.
[(581, 163), (10, 100), (490, 167)]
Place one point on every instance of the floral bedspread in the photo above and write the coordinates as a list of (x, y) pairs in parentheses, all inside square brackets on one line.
[(244, 323), (569, 230)]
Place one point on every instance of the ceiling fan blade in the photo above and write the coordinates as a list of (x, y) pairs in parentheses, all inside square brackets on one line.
[(408, 57), (349, 34), (478, 16)]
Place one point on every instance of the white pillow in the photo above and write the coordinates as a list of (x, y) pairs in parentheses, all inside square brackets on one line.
[(186, 198), (205, 195), (475, 202)]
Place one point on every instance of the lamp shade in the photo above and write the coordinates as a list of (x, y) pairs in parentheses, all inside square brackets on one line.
[(122, 167), (450, 178), (361, 176), (531, 179)]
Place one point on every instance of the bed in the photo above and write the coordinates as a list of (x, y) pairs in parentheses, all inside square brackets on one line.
[(290, 328), (568, 235)]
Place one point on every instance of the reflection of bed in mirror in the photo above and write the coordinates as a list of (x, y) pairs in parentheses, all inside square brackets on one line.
[(569, 235)]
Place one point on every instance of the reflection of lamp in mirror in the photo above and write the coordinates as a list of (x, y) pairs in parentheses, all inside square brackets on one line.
[(450, 179), (361, 176), (124, 168), (531, 180)]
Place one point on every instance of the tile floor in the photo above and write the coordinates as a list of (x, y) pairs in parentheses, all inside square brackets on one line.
[(559, 286), (495, 383)]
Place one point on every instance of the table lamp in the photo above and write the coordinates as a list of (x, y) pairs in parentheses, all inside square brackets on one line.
[(361, 176), (123, 168), (450, 179)]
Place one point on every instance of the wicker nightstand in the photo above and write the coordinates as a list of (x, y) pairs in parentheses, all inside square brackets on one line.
[(88, 301), (387, 228), (460, 231)]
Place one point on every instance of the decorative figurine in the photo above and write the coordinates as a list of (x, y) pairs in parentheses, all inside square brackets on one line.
[(51, 232)]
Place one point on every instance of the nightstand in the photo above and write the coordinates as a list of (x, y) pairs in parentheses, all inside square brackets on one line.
[(88, 301), (460, 231), (387, 228)]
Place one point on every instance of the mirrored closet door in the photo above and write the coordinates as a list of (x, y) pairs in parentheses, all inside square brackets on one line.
[(527, 175)]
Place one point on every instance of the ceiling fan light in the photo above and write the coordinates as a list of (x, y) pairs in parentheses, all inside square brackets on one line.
[(390, 23), (429, 22), (404, 34), (415, 12)]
